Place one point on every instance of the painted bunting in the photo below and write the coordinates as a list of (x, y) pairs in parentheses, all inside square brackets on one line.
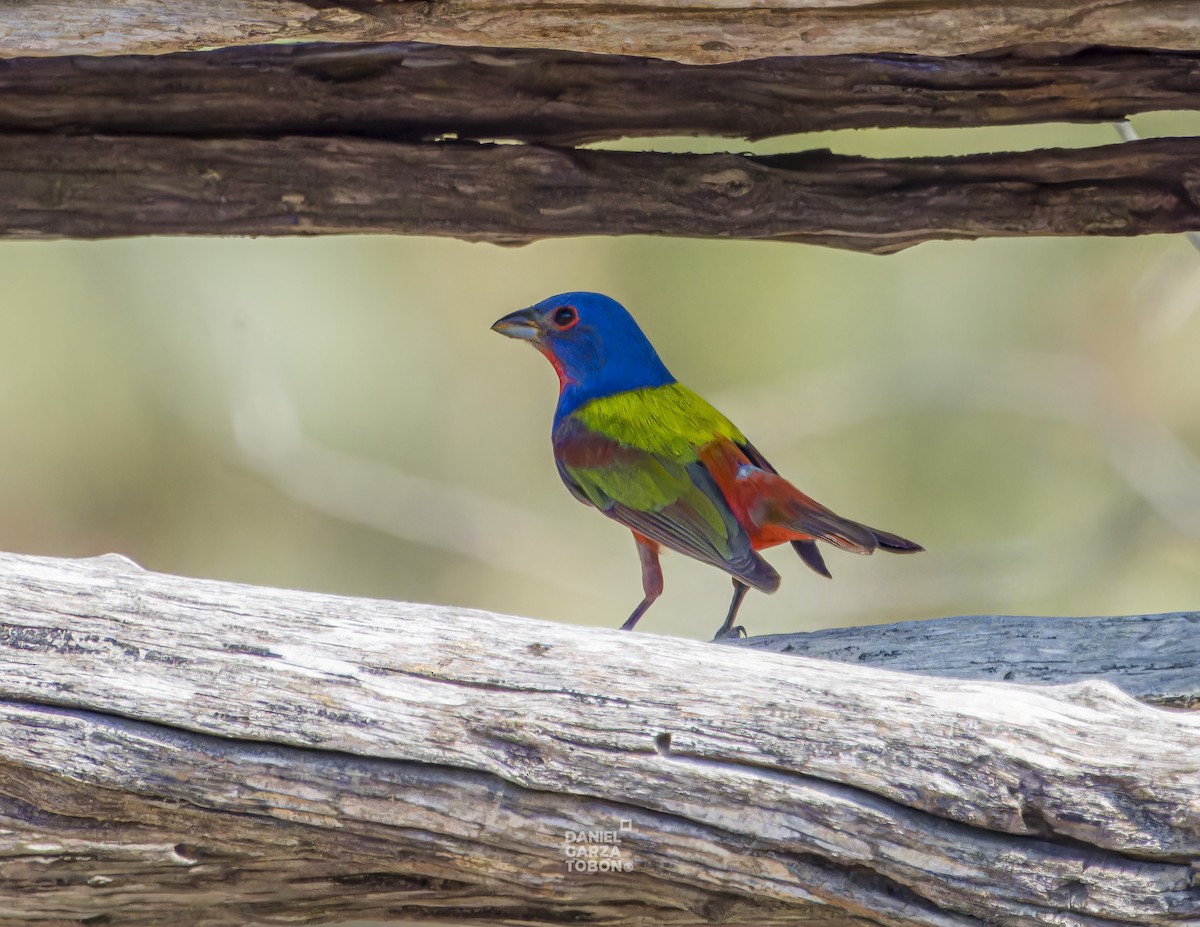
[(633, 442)]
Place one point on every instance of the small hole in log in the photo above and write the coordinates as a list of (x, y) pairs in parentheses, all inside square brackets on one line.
[(662, 743)]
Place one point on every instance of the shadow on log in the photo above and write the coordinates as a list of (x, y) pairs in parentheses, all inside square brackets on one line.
[(203, 753)]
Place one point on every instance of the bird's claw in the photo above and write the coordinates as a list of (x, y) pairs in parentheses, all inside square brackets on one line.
[(732, 633)]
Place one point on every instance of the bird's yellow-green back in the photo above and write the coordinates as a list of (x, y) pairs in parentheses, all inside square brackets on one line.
[(669, 421)]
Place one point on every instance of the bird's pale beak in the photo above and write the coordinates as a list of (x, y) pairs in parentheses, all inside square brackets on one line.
[(522, 324)]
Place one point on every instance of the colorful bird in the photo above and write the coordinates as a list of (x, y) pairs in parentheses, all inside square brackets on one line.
[(633, 442)]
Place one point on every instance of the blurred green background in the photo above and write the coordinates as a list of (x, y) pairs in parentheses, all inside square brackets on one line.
[(334, 414)]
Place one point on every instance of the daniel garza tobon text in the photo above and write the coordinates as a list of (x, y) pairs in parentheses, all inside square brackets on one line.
[(597, 850)]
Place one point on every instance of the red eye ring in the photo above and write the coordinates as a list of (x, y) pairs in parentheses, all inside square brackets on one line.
[(565, 317)]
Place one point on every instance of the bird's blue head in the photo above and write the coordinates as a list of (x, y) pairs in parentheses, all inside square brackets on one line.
[(594, 344)]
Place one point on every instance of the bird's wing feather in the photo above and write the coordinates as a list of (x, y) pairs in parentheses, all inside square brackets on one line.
[(676, 503)]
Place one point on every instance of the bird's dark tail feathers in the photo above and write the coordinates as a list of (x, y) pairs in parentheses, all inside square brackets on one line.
[(811, 555), (884, 540), (894, 544)]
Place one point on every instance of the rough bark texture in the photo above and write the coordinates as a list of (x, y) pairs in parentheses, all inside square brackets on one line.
[(1154, 658), (100, 187), (200, 753), (701, 31), (422, 91)]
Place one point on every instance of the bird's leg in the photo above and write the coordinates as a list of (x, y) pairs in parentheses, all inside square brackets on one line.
[(727, 629), (652, 578)]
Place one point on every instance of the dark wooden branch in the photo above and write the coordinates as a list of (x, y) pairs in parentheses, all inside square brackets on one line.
[(423, 91), (1154, 658), (702, 31), (206, 754), (97, 187)]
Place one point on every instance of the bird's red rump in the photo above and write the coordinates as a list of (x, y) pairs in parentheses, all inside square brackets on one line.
[(758, 498)]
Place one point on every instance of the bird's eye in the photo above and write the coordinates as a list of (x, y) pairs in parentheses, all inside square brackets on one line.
[(565, 317)]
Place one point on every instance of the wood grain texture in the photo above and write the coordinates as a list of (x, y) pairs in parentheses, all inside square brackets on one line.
[(103, 187), (195, 752), (700, 31), (1154, 658), (414, 91)]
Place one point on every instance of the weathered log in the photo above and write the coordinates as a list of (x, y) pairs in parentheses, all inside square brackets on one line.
[(102, 187), (423, 91), (1154, 658), (701, 31), (202, 753)]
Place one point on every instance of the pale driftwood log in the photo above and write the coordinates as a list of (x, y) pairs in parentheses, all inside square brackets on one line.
[(1154, 658), (200, 753), (102, 187), (701, 31), (413, 91)]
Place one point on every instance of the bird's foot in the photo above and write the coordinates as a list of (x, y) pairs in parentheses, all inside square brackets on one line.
[(730, 634)]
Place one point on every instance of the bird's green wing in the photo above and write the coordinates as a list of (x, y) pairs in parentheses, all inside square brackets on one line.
[(658, 495)]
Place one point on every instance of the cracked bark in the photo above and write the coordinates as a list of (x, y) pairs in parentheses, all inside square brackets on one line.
[(207, 753), (702, 31)]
